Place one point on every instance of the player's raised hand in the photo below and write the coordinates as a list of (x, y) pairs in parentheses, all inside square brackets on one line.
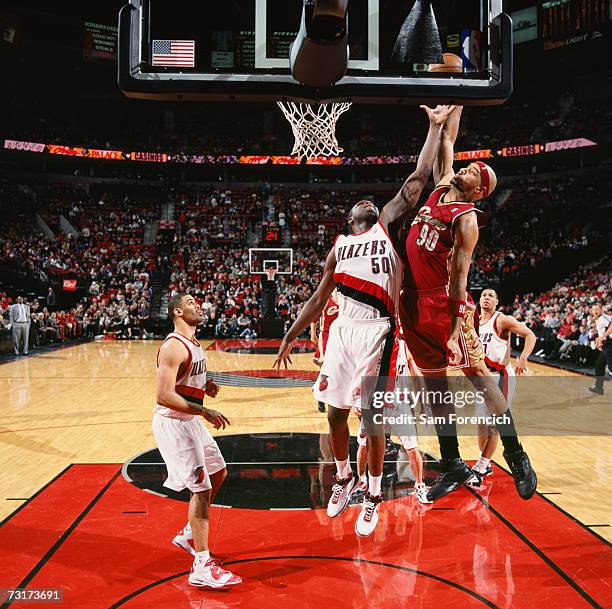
[(284, 354), (216, 419), (211, 389), (454, 352), (438, 115)]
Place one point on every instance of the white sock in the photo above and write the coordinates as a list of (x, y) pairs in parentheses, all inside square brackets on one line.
[(188, 532), (201, 557), (481, 465), (363, 478), (374, 484), (419, 485), (344, 468)]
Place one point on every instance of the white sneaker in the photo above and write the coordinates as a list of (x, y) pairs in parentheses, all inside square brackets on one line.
[(368, 517), (184, 540), (420, 492), (212, 575), (341, 495)]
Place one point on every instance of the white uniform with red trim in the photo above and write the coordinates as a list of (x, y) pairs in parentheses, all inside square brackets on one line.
[(496, 350), (187, 447), (368, 277), (406, 432)]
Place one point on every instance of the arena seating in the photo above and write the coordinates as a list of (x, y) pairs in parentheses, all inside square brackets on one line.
[(208, 250), (562, 317)]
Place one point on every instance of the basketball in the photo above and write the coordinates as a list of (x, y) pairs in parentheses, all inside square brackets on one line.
[(452, 63)]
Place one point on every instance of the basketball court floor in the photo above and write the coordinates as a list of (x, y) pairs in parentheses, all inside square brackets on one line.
[(85, 510)]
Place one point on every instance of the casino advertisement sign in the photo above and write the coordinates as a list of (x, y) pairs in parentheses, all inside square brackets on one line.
[(162, 157)]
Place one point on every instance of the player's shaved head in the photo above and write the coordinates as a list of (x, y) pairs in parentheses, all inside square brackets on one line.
[(363, 212)]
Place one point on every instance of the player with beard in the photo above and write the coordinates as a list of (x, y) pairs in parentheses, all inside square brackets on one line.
[(192, 456), (367, 271), (440, 322)]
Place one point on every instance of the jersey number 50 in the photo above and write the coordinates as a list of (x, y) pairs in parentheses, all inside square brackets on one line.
[(428, 238), (380, 263)]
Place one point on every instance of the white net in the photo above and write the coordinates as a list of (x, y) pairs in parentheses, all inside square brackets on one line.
[(314, 127)]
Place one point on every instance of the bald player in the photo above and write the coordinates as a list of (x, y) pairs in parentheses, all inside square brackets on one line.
[(438, 318)]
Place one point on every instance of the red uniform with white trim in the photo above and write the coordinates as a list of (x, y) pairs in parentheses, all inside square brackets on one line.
[(328, 317), (187, 447), (497, 355), (368, 277), (424, 302)]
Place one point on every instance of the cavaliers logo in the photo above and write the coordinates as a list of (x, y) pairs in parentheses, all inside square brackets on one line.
[(323, 383)]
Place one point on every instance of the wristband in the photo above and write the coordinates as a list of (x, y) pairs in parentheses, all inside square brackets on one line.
[(457, 308)]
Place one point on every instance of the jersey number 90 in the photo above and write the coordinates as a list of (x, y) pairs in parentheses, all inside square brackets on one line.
[(428, 238)]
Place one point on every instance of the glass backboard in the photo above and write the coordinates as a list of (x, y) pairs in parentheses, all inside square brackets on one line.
[(239, 50)]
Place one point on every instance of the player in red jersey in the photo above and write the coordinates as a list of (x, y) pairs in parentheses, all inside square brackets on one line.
[(328, 317), (367, 270), (439, 318)]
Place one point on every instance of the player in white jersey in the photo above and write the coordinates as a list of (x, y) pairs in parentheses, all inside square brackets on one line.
[(192, 456), (367, 272), (494, 332)]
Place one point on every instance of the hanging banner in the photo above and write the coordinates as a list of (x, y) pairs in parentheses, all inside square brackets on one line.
[(25, 146)]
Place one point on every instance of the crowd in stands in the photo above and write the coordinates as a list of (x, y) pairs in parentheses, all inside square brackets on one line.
[(230, 294), (105, 257), (536, 220), (210, 242), (183, 129), (564, 318)]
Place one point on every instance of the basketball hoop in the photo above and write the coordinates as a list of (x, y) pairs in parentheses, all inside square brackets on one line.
[(314, 127), (271, 273)]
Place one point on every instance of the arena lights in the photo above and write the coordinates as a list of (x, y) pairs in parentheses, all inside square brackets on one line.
[(162, 157)]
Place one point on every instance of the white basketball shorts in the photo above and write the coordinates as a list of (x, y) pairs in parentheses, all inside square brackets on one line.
[(189, 451), (355, 349)]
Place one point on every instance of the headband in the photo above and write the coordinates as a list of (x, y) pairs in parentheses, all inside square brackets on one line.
[(484, 177)]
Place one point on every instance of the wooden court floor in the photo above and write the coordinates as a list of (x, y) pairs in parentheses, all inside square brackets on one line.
[(92, 403)]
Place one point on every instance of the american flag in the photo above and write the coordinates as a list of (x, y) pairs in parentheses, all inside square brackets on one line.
[(174, 53)]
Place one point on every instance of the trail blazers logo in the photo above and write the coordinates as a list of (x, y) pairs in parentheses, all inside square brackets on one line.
[(323, 382)]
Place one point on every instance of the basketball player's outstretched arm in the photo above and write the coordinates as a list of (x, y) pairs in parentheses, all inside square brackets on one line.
[(443, 165), (171, 357), (412, 188), (466, 238), (508, 324), (311, 311)]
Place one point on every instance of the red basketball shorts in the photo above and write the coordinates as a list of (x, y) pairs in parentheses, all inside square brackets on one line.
[(426, 323)]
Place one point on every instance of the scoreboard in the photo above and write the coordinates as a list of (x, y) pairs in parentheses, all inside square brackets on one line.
[(270, 236), (563, 18)]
